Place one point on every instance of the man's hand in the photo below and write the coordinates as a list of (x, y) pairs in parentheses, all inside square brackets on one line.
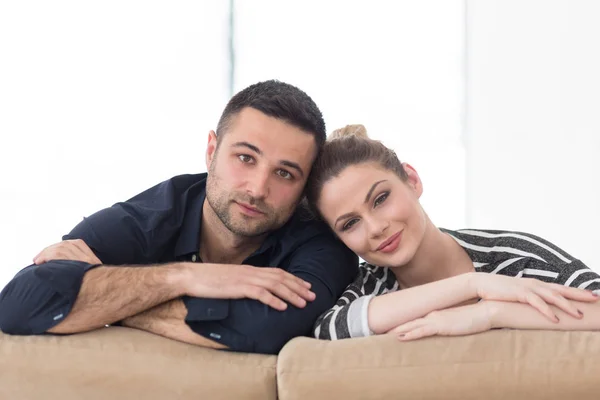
[(227, 281), (458, 321), (168, 320), (74, 250)]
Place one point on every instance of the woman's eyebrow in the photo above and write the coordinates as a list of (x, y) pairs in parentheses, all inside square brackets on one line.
[(372, 190)]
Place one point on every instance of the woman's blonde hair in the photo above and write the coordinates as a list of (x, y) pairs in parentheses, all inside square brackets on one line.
[(348, 146), (349, 130)]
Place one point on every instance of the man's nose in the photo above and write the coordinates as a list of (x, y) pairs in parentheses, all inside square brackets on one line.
[(258, 184)]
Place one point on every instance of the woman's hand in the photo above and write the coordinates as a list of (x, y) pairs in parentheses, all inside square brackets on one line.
[(540, 295), (458, 321)]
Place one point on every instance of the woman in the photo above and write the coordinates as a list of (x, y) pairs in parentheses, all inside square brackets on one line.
[(419, 280)]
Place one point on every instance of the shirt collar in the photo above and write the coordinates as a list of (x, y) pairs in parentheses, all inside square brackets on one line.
[(189, 236)]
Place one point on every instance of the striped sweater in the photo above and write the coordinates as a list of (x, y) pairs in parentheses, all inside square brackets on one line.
[(495, 252)]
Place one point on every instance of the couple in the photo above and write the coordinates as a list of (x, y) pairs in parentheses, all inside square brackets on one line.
[(233, 260)]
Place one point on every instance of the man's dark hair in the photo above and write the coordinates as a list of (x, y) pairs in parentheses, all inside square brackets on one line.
[(279, 100)]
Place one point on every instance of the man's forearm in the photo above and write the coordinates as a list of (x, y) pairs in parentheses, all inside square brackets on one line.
[(523, 316), (168, 320), (110, 294)]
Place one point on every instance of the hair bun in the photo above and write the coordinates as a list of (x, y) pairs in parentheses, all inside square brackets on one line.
[(357, 130)]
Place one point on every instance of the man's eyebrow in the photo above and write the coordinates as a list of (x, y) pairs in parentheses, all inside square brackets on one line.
[(289, 164), (248, 145), (292, 165), (372, 190)]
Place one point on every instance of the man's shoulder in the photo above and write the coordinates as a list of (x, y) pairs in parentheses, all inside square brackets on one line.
[(175, 187), (303, 225)]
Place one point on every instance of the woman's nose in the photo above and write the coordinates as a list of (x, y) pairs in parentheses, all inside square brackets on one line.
[(377, 227)]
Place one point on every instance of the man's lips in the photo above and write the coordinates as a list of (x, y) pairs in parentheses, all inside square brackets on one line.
[(249, 208), (391, 240)]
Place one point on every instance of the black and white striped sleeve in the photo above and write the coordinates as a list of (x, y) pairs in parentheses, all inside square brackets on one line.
[(349, 317), (576, 274)]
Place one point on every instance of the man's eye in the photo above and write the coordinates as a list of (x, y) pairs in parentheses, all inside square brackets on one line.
[(284, 174), (349, 224), (381, 199), (245, 158)]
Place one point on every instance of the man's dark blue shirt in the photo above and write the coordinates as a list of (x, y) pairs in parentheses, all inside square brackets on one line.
[(162, 225)]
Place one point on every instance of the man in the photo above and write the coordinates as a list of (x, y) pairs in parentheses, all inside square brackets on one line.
[(222, 260)]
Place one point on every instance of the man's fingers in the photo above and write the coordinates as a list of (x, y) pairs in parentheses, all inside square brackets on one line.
[(294, 283), (265, 297), (280, 290), (82, 247), (286, 275)]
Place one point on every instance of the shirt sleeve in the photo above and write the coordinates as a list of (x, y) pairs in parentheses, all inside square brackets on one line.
[(576, 274), (40, 296), (135, 231), (252, 326), (349, 317)]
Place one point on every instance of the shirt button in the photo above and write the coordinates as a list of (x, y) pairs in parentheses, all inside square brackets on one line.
[(194, 258)]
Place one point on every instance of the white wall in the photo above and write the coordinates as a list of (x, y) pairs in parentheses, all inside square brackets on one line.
[(98, 101), (533, 122), (395, 66)]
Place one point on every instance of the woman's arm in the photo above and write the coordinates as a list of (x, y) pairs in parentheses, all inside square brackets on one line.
[(522, 316), (487, 315), (392, 309), (388, 311)]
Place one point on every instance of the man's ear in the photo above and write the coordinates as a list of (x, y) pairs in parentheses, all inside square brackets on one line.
[(211, 149), (414, 181)]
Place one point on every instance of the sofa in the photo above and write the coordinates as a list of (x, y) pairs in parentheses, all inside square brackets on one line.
[(121, 363)]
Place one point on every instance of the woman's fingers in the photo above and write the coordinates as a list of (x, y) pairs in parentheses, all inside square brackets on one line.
[(556, 299), (539, 304), (572, 293), (409, 326), (418, 333)]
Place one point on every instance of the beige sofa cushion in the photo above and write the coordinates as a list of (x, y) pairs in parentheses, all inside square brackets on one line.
[(494, 365), (122, 363)]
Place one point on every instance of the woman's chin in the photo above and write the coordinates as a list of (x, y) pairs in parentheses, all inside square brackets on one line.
[(385, 260)]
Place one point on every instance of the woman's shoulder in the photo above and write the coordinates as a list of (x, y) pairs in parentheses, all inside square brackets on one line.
[(375, 279), (483, 244)]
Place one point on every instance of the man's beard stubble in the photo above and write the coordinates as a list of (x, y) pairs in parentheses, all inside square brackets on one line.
[(222, 203)]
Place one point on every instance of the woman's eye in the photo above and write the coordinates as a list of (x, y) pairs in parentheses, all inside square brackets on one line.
[(284, 174), (349, 224), (245, 158), (381, 199)]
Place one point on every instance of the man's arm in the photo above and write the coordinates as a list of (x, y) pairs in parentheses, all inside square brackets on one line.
[(69, 296), (168, 320), (109, 294), (250, 326)]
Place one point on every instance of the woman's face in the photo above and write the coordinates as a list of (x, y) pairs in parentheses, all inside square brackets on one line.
[(375, 213)]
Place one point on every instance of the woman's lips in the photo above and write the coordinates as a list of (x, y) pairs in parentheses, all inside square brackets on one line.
[(390, 244)]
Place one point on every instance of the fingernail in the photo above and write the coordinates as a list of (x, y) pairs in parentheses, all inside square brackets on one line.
[(580, 313), (596, 294), (401, 335)]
